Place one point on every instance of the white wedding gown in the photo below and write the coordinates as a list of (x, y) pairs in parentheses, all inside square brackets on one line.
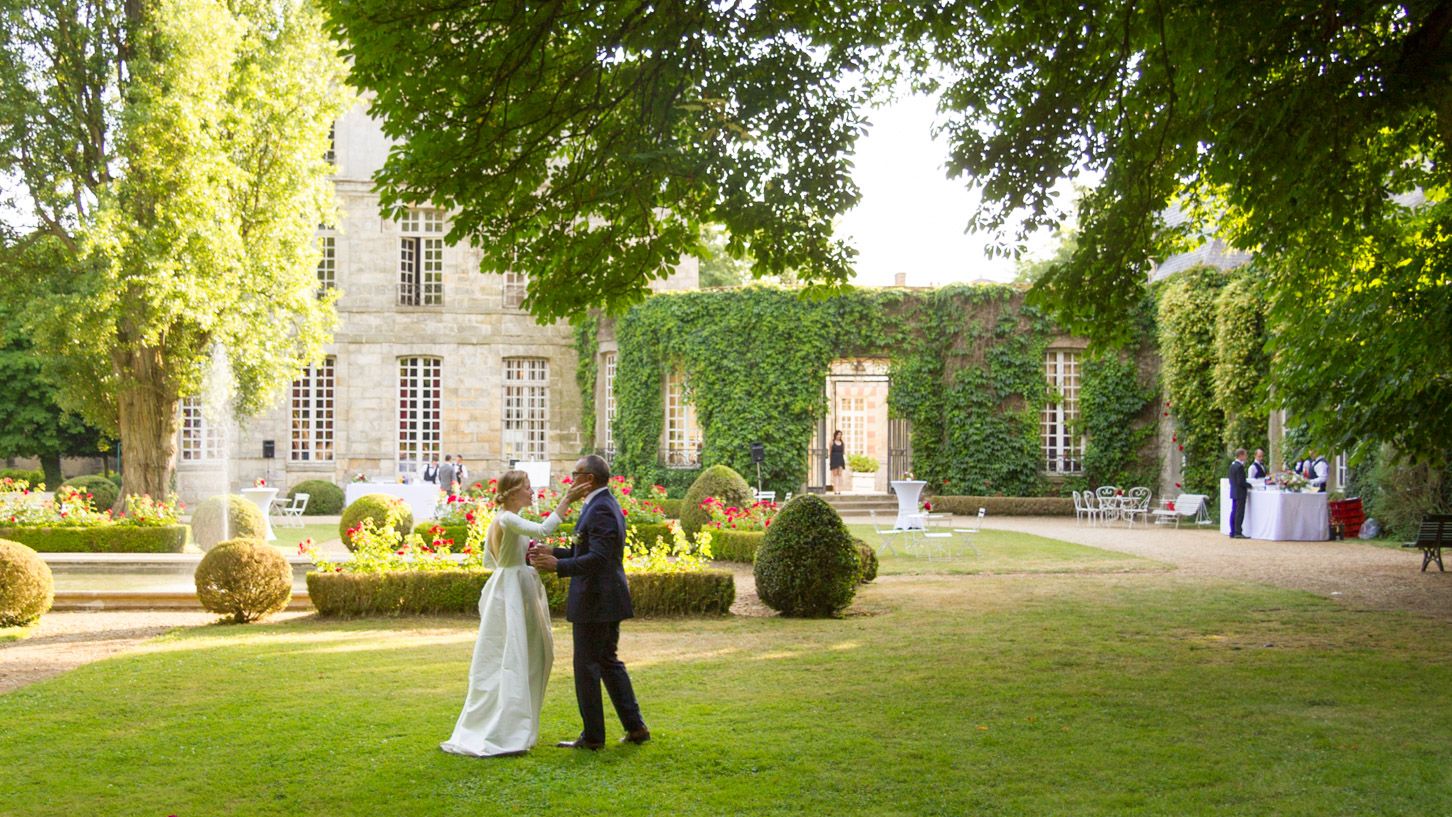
[(515, 650)]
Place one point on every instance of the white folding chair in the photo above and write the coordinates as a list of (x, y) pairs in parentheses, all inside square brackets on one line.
[(765, 496), (977, 523), (293, 511), (889, 532)]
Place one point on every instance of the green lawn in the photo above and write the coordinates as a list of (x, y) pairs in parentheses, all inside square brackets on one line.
[(1041, 694), (289, 538), (995, 551)]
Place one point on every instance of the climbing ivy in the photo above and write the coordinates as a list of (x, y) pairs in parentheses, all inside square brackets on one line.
[(1187, 350), (1113, 395), (966, 371), (1241, 364), (587, 346)]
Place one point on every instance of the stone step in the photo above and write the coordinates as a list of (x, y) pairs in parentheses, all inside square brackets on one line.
[(146, 564)]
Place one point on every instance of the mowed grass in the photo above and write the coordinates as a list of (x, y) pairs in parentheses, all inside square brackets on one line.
[(992, 551), (288, 538), (1036, 694)]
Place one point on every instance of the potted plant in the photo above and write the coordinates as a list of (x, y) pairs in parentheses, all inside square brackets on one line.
[(864, 473)]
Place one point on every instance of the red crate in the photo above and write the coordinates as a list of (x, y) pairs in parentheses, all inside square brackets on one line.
[(1349, 514)]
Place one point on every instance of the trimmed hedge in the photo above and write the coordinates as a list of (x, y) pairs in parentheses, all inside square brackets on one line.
[(324, 498), (33, 477), (807, 565), (375, 507), (226, 517), (27, 589), (1004, 505), (647, 533), (102, 490), (719, 481), (672, 507), (457, 591), (735, 545), (101, 539), (459, 533), (244, 580), (868, 556)]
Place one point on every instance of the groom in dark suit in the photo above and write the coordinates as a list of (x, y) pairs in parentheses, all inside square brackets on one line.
[(1238, 495), (599, 600)]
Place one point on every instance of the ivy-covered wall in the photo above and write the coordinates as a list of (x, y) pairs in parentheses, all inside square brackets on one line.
[(967, 369)]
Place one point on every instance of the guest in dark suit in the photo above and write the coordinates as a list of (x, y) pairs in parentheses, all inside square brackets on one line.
[(1257, 467), (1238, 488), (598, 601)]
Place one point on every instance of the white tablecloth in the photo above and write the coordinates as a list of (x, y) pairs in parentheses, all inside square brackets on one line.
[(908, 515), (262, 498), (422, 497), (1279, 515)]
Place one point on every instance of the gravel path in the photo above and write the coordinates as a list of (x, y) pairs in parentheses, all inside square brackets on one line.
[(1358, 575)]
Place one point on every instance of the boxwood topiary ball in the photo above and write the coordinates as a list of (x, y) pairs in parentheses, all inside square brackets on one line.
[(324, 498), (807, 564), (244, 579), (226, 517), (26, 587), (869, 560), (719, 481), (102, 490), (377, 508)]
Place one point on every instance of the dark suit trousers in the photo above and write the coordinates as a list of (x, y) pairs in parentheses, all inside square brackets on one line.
[(1237, 514), (595, 661)]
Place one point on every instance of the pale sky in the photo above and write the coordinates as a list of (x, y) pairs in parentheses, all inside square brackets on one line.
[(912, 217)]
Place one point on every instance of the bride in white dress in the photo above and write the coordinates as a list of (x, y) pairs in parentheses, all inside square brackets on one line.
[(515, 649)]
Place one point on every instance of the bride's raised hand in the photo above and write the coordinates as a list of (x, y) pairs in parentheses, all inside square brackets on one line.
[(579, 489)]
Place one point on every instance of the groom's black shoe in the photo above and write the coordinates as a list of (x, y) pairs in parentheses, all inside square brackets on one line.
[(636, 736), (580, 743)]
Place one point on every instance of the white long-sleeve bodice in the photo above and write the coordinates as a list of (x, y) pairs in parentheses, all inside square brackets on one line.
[(515, 532)]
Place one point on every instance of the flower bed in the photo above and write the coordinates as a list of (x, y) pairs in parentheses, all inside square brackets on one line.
[(68, 523), (1005, 505), (112, 538), (431, 571)]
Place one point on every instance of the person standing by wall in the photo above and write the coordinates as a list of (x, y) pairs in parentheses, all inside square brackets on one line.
[(446, 474), (837, 461)]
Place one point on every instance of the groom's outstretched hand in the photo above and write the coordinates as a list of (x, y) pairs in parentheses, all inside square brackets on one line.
[(542, 559)]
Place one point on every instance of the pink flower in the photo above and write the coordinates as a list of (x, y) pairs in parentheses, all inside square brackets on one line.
[(625, 491), (563, 481)]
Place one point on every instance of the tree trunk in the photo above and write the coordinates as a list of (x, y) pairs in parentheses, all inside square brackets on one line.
[(146, 420), (50, 464)]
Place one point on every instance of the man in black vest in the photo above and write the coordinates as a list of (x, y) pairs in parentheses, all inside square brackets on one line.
[(1238, 495), (1257, 467)]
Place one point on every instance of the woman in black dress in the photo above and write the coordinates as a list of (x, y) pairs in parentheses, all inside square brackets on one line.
[(838, 461)]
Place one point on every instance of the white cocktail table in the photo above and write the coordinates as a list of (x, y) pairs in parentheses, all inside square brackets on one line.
[(908, 515), (262, 498)]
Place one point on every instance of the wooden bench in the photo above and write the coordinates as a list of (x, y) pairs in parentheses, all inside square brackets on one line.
[(1434, 534)]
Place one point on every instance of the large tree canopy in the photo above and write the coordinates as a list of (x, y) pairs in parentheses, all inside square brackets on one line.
[(170, 153), (587, 142), (1312, 132)]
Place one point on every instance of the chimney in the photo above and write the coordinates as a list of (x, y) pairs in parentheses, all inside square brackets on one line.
[(899, 279)]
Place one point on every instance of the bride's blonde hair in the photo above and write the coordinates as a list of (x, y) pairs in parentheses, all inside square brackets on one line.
[(508, 482)]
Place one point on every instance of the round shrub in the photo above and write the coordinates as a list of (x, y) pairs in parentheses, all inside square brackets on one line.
[(718, 481), (807, 564), (377, 508), (869, 560), (226, 517), (244, 579), (102, 490), (324, 498), (26, 587)]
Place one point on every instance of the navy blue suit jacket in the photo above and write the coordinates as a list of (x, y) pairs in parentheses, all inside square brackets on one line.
[(596, 565), (1238, 485)]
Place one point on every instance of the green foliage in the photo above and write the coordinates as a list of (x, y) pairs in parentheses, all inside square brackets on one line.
[(861, 463), (101, 538), (103, 492), (1187, 350), (221, 518), (672, 507), (1242, 367), (378, 508), (597, 173), (244, 580), (27, 589), (1116, 409), (1005, 505), (718, 481), (1405, 490), (868, 557), (807, 564), (735, 545), (1347, 210), (21, 474), (649, 534), (171, 155), (32, 423), (324, 498), (457, 591), (587, 351)]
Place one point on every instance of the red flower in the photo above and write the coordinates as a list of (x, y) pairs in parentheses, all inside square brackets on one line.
[(624, 512), (565, 481), (1177, 484), (625, 491), (927, 506), (469, 517), (1182, 448)]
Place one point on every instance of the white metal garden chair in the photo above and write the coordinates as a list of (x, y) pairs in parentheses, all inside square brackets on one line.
[(889, 533), (1136, 505), (293, 511)]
